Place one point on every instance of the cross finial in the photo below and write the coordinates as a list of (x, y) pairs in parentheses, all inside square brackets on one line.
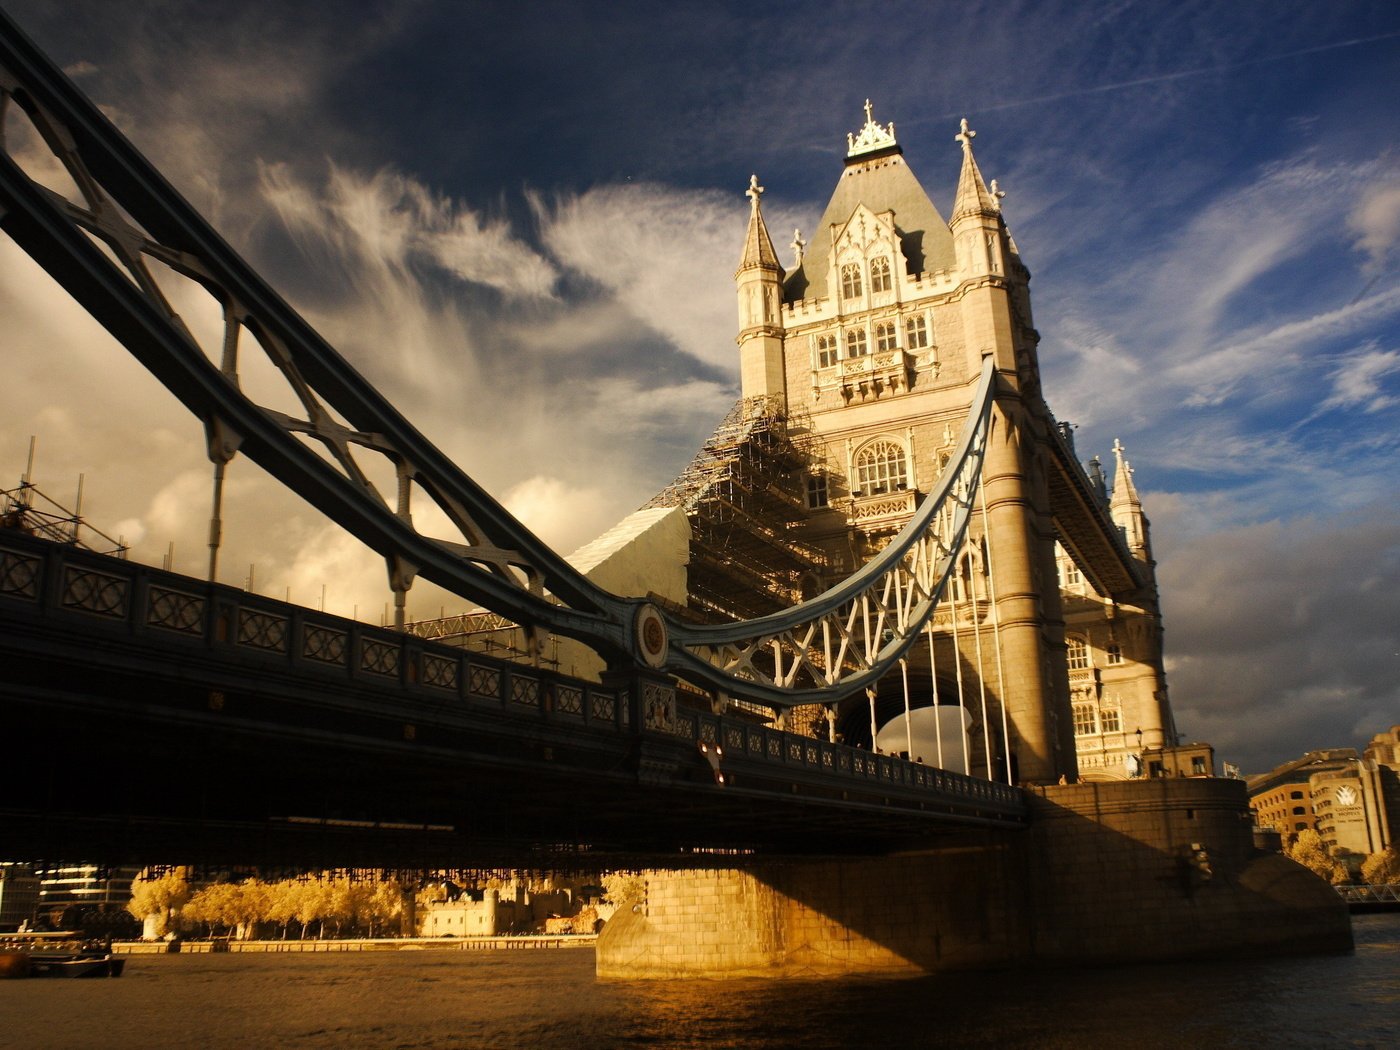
[(965, 134), (869, 117), (797, 245), (754, 191), (997, 194)]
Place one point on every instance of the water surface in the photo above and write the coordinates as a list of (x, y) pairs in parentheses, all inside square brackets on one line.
[(550, 998)]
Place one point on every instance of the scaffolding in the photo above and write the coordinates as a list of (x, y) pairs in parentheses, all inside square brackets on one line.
[(28, 510), (742, 495)]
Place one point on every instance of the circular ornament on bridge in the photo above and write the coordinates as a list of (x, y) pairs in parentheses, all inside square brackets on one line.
[(652, 642)]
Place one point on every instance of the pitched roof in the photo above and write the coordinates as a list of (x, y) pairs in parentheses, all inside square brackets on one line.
[(882, 182)]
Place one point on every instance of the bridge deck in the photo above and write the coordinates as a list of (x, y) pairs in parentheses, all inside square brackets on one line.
[(150, 712)]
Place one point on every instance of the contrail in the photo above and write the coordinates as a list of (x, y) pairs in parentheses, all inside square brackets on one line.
[(1163, 77)]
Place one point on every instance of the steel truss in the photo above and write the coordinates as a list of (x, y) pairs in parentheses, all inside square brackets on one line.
[(105, 250)]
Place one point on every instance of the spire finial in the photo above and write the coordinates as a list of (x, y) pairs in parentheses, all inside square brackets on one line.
[(754, 191), (872, 137), (965, 135), (997, 194), (798, 244)]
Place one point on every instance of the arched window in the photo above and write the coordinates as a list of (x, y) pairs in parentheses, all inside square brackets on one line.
[(1078, 652), (915, 332), (880, 467), (1084, 721), (884, 335), (879, 275), (826, 351), (850, 281), (856, 345)]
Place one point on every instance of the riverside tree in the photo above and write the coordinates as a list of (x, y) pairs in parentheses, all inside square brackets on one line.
[(1382, 869), (1308, 850), (161, 893)]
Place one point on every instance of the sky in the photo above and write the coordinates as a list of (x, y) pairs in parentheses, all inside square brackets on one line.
[(521, 222)]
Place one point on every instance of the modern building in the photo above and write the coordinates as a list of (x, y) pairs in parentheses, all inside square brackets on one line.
[(1282, 798), (1358, 804), (19, 895)]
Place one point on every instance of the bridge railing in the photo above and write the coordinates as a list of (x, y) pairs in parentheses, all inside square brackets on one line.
[(1380, 893), (129, 608)]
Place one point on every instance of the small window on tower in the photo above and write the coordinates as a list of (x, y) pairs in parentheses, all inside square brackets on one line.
[(850, 281), (916, 332), (880, 275), (1112, 723), (884, 336), (1084, 721), (818, 492), (1114, 654), (826, 351), (1073, 577), (1078, 653), (856, 345)]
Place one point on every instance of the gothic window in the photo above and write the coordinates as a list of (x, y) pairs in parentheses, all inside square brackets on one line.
[(826, 351), (879, 275), (915, 332), (1073, 577), (818, 493), (884, 334), (1114, 654), (1110, 720), (1084, 721), (850, 281), (1078, 651), (880, 467), (856, 345)]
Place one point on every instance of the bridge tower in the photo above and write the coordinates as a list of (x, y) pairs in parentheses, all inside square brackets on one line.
[(886, 319)]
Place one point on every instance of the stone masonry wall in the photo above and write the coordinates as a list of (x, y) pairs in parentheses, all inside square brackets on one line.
[(1105, 873)]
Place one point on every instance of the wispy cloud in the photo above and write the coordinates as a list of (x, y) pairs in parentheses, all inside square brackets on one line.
[(1356, 381)]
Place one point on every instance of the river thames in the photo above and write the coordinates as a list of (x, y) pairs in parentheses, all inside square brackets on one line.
[(550, 998)]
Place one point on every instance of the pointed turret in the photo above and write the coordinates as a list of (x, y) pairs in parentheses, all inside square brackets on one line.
[(1126, 508), (759, 283), (973, 198), (976, 221)]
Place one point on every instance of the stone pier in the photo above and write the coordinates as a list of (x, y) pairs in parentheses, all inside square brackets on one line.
[(1130, 871)]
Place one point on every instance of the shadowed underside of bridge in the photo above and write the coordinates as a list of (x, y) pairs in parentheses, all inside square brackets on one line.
[(151, 715)]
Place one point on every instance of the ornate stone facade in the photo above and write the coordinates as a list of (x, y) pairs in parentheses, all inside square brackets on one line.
[(886, 317)]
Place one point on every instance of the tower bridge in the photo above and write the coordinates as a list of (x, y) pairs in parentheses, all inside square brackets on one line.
[(885, 611)]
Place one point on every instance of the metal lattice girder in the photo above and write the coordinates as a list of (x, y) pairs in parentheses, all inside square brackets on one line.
[(130, 208), (847, 639), (818, 651)]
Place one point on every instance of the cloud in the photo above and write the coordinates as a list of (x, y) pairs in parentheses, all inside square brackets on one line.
[(1280, 631), (1356, 382), (657, 251), (1376, 222)]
